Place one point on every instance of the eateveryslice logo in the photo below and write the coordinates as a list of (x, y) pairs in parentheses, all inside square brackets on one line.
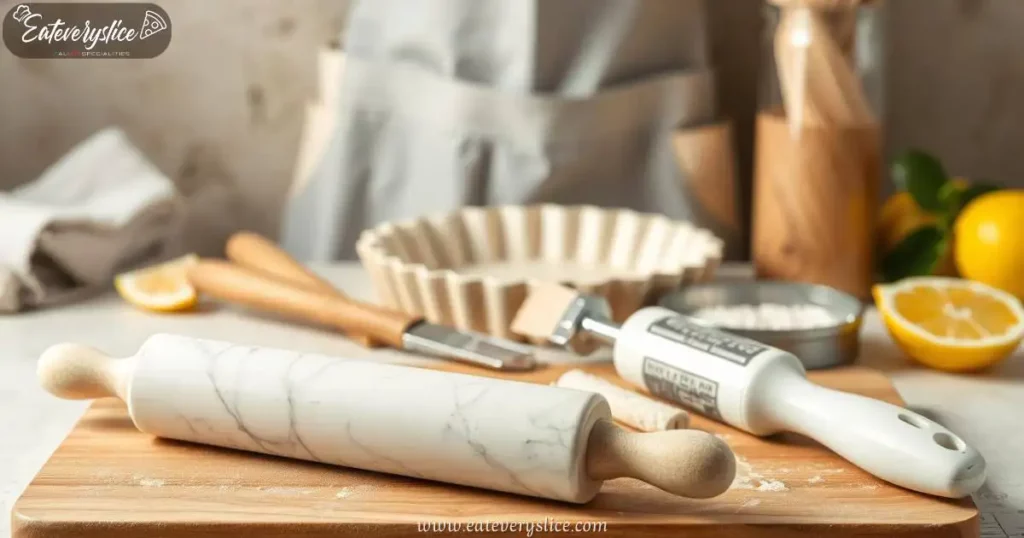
[(94, 30)]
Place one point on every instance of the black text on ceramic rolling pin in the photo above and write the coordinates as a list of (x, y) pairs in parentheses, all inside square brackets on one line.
[(528, 528)]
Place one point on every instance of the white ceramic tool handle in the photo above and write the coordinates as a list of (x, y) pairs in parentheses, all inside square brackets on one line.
[(763, 390), (524, 438), (888, 441)]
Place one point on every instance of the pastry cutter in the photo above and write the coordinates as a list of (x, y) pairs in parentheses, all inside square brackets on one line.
[(266, 278)]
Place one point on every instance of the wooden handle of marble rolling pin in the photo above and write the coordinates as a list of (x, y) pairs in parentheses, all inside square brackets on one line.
[(76, 372), (249, 288), (256, 252), (688, 463)]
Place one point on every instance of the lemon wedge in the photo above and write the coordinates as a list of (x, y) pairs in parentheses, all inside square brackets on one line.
[(160, 288), (951, 324)]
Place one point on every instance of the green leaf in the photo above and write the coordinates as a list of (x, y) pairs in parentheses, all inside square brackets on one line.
[(923, 177), (950, 195), (974, 191), (917, 255)]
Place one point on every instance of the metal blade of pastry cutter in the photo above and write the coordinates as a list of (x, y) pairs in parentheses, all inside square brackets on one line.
[(468, 347)]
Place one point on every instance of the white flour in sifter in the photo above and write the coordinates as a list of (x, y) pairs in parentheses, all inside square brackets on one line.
[(767, 316)]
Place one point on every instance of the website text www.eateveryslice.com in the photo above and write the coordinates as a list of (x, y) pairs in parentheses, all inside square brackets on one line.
[(528, 528)]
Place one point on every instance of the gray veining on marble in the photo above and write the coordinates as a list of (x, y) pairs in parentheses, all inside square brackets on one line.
[(475, 431)]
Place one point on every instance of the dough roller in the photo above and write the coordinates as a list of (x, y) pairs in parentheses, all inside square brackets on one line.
[(510, 436)]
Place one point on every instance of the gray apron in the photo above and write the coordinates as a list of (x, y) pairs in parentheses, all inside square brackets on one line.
[(449, 103)]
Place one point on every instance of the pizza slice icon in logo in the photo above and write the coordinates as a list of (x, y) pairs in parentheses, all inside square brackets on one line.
[(152, 24)]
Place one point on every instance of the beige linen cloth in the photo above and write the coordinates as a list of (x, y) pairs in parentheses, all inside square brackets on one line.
[(100, 209)]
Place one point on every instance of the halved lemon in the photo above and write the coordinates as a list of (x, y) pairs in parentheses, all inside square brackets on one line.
[(951, 324), (160, 288)]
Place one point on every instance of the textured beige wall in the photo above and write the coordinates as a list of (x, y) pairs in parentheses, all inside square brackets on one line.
[(956, 84), (220, 111)]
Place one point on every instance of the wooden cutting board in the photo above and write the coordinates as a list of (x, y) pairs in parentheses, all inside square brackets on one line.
[(108, 480)]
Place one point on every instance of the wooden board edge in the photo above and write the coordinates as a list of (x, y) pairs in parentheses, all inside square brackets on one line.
[(23, 528)]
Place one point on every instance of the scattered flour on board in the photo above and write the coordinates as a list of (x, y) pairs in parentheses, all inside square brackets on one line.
[(815, 479), (772, 485), (346, 492), (746, 478), (286, 491), (147, 482)]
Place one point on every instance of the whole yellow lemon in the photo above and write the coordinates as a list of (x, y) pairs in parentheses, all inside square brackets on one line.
[(990, 241)]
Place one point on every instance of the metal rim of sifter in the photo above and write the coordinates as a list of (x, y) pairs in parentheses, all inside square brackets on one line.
[(818, 347)]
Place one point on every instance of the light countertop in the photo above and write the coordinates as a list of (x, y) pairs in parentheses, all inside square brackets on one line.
[(983, 409)]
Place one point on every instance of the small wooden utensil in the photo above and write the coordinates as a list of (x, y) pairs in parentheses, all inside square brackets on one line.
[(255, 289), (256, 252)]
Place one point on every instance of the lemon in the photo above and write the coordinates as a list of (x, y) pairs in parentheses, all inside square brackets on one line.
[(990, 241), (949, 323), (160, 288)]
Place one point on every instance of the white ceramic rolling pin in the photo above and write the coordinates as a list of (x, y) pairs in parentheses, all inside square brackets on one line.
[(760, 389), (497, 434)]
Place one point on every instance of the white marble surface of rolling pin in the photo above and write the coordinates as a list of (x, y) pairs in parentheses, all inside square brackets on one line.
[(496, 434)]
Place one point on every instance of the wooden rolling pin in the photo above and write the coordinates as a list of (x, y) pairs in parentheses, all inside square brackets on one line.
[(524, 438)]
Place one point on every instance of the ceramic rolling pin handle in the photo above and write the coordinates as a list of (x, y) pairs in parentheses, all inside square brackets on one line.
[(890, 442), (235, 284), (688, 463), (76, 372), (256, 252)]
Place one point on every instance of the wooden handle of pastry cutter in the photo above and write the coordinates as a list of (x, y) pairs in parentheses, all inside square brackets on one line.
[(256, 252), (688, 463), (245, 287)]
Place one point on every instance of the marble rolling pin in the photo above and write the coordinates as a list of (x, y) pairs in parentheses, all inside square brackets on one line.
[(503, 435), (759, 389)]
